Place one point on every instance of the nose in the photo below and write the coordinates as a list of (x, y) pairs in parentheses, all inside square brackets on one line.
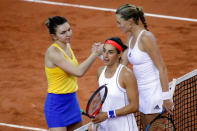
[(105, 54), (69, 33)]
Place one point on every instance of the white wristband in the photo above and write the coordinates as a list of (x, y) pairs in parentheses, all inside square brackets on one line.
[(166, 95), (101, 57)]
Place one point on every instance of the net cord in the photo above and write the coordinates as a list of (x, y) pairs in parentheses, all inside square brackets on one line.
[(184, 77)]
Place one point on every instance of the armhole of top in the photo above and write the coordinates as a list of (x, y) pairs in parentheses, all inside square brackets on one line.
[(117, 79), (55, 45), (138, 39), (102, 73), (72, 53)]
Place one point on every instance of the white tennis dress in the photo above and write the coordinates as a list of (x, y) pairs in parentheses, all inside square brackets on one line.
[(116, 99), (148, 80)]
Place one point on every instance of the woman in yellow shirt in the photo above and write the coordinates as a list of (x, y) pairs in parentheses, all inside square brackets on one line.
[(62, 110)]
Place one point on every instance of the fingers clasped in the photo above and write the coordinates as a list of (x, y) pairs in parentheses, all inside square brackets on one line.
[(102, 116), (97, 48)]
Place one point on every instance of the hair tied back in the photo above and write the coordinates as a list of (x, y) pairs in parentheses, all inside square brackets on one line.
[(47, 23), (139, 10)]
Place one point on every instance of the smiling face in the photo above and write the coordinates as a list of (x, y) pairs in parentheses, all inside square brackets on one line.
[(63, 33), (110, 55)]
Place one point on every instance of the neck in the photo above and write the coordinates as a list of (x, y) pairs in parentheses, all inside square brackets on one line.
[(112, 68), (135, 30), (62, 45)]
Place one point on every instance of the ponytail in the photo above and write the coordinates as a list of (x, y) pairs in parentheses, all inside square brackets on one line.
[(142, 18)]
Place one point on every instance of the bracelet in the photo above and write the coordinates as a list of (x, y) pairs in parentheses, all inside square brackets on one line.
[(166, 95), (111, 114)]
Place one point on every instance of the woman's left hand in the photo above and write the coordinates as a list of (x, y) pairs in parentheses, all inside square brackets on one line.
[(168, 105), (102, 116)]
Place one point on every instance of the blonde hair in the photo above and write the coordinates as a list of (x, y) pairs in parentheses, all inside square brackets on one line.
[(129, 11)]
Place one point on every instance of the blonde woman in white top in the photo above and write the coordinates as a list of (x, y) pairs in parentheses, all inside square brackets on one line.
[(148, 66)]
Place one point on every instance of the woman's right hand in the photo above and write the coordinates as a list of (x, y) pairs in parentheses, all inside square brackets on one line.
[(102, 116), (97, 48)]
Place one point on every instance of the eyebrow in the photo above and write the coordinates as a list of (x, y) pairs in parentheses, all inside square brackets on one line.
[(65, 30)]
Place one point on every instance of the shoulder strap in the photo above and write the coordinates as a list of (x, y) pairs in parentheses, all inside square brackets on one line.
[(138, 38), (117, 73), (71, 51), (102, 75), (117, 78), (57, 46), (130, 42)]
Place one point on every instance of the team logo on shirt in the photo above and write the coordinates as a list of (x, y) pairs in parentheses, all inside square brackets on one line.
[(157, 107)]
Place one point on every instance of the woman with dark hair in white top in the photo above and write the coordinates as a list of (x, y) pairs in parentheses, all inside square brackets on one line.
[(122, 98)]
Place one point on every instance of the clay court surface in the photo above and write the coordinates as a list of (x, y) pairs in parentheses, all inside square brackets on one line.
[(24, 40)]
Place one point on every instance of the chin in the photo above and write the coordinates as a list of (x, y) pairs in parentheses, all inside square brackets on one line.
[(106, 63), (67, 41)]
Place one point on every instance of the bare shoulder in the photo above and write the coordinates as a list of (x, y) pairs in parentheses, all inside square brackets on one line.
[(127, 78), (148, 41), (148, 36), (53, 52), (51, 57), (126, 72)]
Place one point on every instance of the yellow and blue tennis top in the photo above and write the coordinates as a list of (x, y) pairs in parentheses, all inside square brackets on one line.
[(60, 82)]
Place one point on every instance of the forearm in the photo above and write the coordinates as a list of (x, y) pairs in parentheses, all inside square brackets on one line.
[(164, 79), (85, 65), (115, 113), (166, 95), (131, 108)]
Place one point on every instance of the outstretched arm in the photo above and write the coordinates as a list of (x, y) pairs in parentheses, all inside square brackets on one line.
[(59, 60)]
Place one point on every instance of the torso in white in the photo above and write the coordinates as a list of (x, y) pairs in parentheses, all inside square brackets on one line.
[(147, 75), (116, 99)]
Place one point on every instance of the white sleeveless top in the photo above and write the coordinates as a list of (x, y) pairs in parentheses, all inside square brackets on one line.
[(148, 79), (116, 99)]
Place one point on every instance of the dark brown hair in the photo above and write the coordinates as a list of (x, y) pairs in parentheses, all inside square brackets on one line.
[(53, 22)]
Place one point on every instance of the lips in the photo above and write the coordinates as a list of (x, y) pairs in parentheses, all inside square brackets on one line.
[(106, 60), (68, 39)]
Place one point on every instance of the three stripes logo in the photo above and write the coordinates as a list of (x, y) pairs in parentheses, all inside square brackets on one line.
[(130, 54), (157, 107)]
